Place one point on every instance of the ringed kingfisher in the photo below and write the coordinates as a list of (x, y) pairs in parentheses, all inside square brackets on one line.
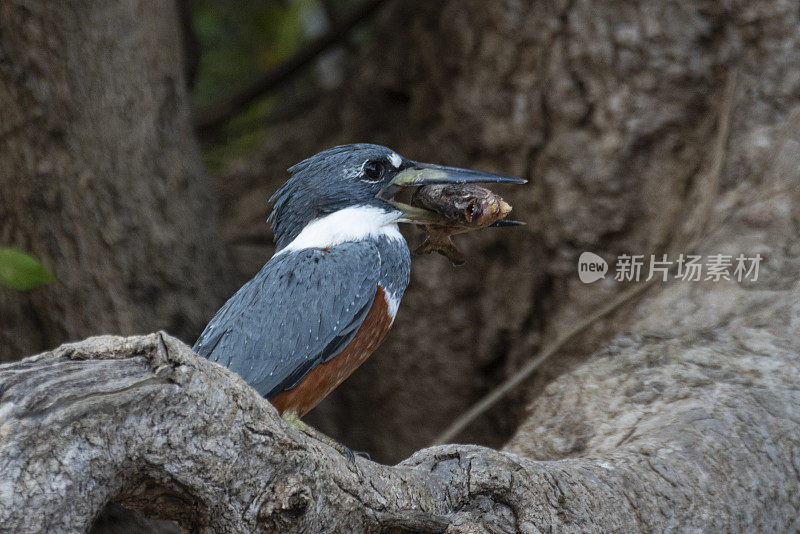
[(328, 296)]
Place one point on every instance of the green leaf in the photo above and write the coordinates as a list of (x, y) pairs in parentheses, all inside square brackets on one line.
[(21, 271)]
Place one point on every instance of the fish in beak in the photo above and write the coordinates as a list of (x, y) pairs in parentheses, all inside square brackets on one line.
[(424, 174)]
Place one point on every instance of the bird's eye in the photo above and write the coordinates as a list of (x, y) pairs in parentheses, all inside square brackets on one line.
[(373, 170)]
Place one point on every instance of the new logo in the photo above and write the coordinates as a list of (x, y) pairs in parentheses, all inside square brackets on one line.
[(591, 267)]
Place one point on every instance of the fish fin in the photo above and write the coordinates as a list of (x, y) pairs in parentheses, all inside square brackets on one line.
[(444, 246), (455, 256), (425, 246)]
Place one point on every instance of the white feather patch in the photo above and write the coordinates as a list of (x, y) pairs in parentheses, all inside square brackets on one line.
[(395, 159), (393, 304), (356, 223)]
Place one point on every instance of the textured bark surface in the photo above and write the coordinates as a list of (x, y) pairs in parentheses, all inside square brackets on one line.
[(100, 176), (677, 434), (610, 109)]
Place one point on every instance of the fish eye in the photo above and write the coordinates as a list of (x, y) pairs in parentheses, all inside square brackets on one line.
[(373, 170)]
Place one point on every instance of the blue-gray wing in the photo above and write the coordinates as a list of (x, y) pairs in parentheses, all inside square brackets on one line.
[(301, 309)]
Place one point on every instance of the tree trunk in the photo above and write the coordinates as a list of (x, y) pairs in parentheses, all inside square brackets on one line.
[(691, 433), (609, 109), (100, 175)]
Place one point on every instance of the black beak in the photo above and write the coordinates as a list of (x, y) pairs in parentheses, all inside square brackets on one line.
[(420, 174)]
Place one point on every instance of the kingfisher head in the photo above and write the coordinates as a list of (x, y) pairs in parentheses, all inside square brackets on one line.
[(348, 192)]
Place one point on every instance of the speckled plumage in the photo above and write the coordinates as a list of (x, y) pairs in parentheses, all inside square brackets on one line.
[(302, 309), (325, 183), (307, 303)]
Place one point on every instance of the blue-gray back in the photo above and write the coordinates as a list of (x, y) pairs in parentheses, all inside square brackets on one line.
[(301, 309)]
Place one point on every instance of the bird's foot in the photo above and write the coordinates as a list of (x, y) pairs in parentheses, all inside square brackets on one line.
[(363, 454), (293, 420)]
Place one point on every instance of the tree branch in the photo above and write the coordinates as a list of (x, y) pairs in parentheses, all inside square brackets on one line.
[(145, 422), (215, 114)]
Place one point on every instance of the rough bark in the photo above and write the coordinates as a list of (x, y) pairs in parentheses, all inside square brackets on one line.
[(100, 175), (610, 109), (691, 433)]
